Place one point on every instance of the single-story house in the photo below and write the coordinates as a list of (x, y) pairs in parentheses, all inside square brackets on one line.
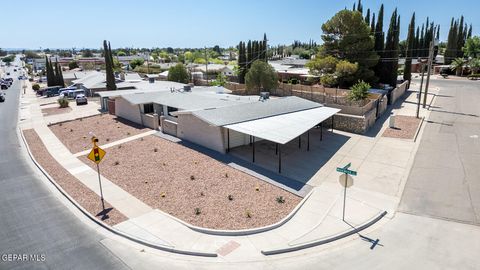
[(215, 119)]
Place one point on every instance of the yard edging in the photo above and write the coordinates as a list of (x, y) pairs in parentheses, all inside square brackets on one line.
[(325, 240), (245, 231), (104, 225)]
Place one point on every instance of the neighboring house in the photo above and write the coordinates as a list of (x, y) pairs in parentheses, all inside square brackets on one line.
[(289, 73), (215, 119), (214, 69), (95, 81)]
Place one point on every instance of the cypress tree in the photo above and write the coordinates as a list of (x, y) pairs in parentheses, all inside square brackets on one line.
[(249, 54), (354, 7), (367, 17), (242, 61), (469, 35), (416, 53), (372, 26), (265, 44), (360, 6), (379, 42), (422, 42), (460, 38), (109, 66), (407, 73), (390, 66), (59, 75), (50, 73)]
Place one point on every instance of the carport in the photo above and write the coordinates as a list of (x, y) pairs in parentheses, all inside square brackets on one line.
[(283, 128)]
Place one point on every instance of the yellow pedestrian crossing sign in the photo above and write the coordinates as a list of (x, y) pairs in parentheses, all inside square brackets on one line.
[(97, 153)]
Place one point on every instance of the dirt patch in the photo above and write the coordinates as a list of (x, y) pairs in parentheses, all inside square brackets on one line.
[(75, 134), (178, 180), (55, 110), (405, 127), (78, 191)]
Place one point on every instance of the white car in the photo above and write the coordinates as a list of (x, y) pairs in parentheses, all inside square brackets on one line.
[(81, 99)]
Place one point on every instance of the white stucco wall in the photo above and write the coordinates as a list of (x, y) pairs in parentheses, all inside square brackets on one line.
[(192, 129), (128, 111), (236, 138)]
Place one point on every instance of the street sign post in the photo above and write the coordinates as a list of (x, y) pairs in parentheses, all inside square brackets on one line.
[(346, 180), (96, 155)]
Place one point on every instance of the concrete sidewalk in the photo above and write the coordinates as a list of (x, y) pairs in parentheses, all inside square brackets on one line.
[(383, 165)]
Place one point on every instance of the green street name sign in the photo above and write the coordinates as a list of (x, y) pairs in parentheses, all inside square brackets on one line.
[(346, 170)]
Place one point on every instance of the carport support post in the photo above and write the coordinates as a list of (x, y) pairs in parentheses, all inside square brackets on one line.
[(321, 131), (228, 140), (308, 140), (253, 149), (279, 158), (276, 148), (332, 122), (300, 141)]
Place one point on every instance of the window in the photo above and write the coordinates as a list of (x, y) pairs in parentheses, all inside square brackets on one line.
[(148, 108)]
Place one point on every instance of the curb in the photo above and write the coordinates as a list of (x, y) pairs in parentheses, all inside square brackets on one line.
[(247, 231), (104, 225), (324, 241)]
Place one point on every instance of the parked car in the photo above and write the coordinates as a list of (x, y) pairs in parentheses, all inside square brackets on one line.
[(52, 91), (81, 99), (2, 97)]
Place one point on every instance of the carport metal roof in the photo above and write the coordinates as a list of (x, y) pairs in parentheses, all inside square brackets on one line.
[(285, 127)]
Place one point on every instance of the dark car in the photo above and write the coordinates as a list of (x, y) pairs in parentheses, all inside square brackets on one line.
[(2, 97), (52, 91)]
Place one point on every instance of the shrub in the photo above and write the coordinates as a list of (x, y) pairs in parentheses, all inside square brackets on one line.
[(36, 86), (116, 163), (192, 177), (474, 76), (248, 214), (359, 91), (202, 193), (328, 80), (155, 149), (280, 199), (230, 197), (63, 102), (198, 211)]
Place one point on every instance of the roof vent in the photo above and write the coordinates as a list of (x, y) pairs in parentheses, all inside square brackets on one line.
[(187, 88), (264, 96)]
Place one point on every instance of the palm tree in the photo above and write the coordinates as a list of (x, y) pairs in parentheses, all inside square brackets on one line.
[(457, 66), (474, 64)]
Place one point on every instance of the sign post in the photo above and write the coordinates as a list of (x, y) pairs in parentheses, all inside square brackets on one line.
[(96, 155), (346, 180)]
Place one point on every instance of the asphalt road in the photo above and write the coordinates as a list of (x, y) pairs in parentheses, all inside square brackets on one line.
[(445, 179), (32, 220)]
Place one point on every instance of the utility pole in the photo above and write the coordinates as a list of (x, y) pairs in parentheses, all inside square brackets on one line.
[(430, 62), (420, 91), (206, 64)]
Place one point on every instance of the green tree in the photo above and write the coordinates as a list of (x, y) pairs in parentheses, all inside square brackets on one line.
[(136, 62), (221, 80), (407, 71), (359, 91), (388, 74), (474, 64), (87, 53), (73, 65), (261, 77), (345, 72), (472, 47), (322, 64), (59, 75), (242, 62), (178, 73), (379, 41), (51, 81), (121, 53), (457, 66), (107, 53), (340, 43)]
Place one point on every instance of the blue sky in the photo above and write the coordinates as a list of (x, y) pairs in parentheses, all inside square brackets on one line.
[(190, 23)]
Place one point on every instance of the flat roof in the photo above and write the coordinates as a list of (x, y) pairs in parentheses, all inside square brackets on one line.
[(285, 127), (255, 110)]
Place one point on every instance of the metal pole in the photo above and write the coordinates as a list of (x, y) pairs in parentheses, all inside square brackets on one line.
[(228, 140), (101, 191), (344, 197), (280, 159), (420, 92), (321, 131), (430, 62), (308, 140), (206, 64), (253, 150)]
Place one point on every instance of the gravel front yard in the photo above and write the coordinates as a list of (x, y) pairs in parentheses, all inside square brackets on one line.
[(108, 128), (55, 110), (78, 191), (405, 127), (192, 186)]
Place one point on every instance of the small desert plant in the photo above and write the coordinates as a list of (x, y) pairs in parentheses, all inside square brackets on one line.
[(36, 86), (71, 130), (230, 197), (280, 199), (226, 175), (257, 188), (192, 177), (128, 133), (163, 194), (141, 139), (202, 194), (359, 91), (198, 211), (60, 124), (120, 146), (155, 149), (107, 139), (63, 102), (164, 164), (116, 163), (248, 214)]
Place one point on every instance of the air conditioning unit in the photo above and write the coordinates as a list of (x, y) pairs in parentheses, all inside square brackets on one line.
[(264, 95), (187, 88)]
